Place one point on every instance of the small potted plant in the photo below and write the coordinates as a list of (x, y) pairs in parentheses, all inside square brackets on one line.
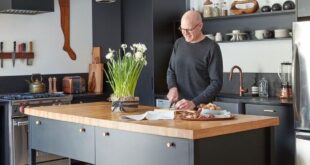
[(124, 69)]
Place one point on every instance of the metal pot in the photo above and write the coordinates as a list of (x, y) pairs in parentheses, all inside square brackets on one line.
[(36, 86)]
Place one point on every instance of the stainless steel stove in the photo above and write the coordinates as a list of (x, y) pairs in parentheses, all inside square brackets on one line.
[(18, 123)]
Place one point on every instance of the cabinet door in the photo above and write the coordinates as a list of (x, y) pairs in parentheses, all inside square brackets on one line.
[(284, 133), (114, 147), (303, 8), (231, 107), (63, 138)]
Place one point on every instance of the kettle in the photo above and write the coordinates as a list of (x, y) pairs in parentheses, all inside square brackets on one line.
[(36, 86)]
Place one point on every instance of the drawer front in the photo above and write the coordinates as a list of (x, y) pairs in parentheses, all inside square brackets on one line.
[(267, 110), (67, 139), (122, 147), (231, 107)]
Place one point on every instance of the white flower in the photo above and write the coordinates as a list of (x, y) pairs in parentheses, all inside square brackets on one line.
[(138, 55), (140, 47), (124, 46), (128, 54), (110, 55), (145, 63)]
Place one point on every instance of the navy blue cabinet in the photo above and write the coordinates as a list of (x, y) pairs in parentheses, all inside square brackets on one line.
[(63, 138), (284, 133), (122, 147)]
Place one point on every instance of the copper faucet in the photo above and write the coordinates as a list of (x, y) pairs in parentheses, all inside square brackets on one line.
[(241, 89)]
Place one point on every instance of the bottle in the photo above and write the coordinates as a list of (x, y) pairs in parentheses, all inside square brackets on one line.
[(263, 88), (254, 90), (216, 10), (207, 9)]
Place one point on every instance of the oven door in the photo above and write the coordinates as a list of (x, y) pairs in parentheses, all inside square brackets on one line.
[(20, 141), (20, 146)]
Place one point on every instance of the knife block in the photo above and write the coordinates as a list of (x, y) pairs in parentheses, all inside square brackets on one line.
[(95, 78)]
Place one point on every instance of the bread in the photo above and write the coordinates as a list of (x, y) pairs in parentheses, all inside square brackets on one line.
[(210, 106)]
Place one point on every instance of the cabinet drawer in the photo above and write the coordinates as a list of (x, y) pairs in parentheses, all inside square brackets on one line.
[(63, 138), (231, 107), (267, 110), (139, 149)]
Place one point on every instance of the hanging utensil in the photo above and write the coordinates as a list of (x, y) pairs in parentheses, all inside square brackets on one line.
[(14, 53), (1, 50)]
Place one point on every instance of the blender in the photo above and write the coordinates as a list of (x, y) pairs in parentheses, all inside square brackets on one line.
[(285, 75)]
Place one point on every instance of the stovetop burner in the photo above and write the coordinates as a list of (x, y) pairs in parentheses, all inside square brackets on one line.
[(26, 96)]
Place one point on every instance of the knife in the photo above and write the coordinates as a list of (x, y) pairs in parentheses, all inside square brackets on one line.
[(1, 50), (29, 61), (172, 105), (14, 53)]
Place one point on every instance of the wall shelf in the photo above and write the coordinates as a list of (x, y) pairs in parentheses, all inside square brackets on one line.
[(258, 14), (255, 40)]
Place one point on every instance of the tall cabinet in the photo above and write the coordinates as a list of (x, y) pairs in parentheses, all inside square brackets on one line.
[(146, 21)]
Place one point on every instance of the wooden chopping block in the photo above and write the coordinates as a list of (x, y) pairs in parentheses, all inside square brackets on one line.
[(96, 55), (95, 78)]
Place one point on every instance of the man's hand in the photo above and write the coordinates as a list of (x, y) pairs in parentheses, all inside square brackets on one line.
[(185, 104), (173, 94)]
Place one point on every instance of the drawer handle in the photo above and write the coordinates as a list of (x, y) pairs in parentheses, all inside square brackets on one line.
[(82, 130), (170, 145), (38, 122), (105, 134), (270, 110)]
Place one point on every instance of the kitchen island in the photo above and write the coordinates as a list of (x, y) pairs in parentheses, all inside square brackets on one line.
[(92, 133)]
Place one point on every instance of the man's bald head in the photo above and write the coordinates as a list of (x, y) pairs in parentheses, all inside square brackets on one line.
[(191, 17), (191, 26)]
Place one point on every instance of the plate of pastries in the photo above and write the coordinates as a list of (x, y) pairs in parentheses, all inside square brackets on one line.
[(206, 112)]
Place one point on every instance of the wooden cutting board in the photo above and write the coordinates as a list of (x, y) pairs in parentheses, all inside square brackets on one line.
[(95, 78)]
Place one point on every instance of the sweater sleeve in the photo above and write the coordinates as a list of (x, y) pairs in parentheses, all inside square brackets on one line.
[(215, 69), (171, 76)]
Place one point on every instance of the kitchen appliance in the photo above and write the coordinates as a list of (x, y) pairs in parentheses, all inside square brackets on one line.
[(285, 75), (73, 84), (16, 133), (36, 86), (29, 7), (301, 92)]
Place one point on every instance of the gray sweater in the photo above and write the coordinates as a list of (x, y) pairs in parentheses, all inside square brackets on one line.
[(196, 69)]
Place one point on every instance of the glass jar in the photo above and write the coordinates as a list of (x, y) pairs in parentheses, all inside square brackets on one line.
[(263, 88), (207, 9)]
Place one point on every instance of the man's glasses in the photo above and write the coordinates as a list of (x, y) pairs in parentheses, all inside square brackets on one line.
[(188, 30)]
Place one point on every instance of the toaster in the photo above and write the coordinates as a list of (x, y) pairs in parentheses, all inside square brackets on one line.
[(73, 84)]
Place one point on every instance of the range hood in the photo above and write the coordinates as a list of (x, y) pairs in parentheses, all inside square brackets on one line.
[(29, 7)]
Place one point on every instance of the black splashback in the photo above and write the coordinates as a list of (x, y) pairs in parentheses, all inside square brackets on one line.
[(232, 87), (18, 84)]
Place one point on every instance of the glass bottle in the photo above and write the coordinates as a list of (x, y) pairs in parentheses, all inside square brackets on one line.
[(254, 90), (263, 87)]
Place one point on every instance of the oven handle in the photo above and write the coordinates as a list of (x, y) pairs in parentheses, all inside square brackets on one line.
[(21, 123)]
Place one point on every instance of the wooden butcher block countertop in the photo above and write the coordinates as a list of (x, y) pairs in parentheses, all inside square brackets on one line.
[(99, 114)]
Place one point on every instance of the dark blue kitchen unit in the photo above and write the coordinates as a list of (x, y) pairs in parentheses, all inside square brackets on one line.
[(93, 134)]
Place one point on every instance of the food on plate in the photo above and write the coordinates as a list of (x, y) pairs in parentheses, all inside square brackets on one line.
[(210, 106), (189, 114)]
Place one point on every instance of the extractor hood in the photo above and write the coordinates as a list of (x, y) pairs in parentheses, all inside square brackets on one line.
[(26, 6)]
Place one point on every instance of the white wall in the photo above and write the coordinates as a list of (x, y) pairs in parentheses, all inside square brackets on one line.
[(256, 56), (260, 56), (45, 32)]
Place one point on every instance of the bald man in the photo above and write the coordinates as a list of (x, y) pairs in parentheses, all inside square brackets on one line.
[(195, 72)]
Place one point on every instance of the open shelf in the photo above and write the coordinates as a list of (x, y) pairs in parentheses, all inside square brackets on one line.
[(256, 40), (258, 14)]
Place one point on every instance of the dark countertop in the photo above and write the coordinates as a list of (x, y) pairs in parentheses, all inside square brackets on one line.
[(253, 100), (228, 97)]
